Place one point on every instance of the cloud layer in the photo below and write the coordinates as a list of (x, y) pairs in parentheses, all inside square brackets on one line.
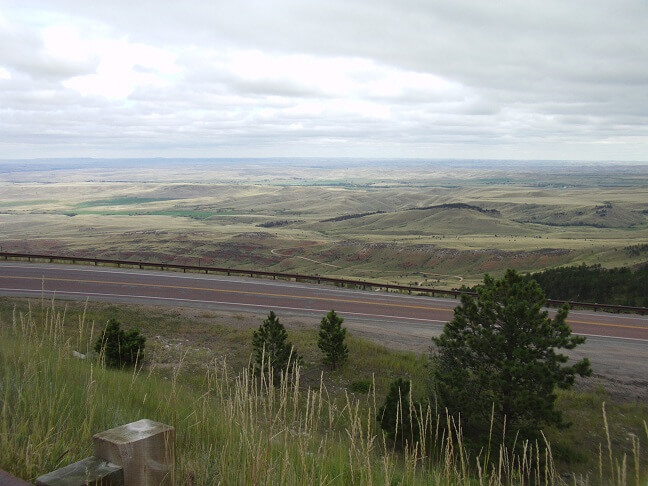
[(465, 79)]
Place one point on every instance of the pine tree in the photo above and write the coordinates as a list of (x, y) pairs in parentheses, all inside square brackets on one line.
[(331, 340), (395, 415), (497, 360), (120, 348), (272, 350)]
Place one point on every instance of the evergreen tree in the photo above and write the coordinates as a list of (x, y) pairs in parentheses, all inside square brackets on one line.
[(395, 415), (272, 350), (120, 348), (497, 359), (331, 340)]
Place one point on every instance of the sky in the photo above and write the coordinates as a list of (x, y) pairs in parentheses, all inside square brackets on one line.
[(512, 79)]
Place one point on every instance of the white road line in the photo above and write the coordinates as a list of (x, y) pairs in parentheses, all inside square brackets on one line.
[(246, 280), (274, 283), (598, 314), (613, 337), (173, 299)]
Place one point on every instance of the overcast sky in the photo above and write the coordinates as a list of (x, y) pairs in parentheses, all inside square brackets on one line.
[(527, 79)]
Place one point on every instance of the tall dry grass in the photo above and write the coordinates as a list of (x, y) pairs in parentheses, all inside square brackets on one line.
[(237, 428)]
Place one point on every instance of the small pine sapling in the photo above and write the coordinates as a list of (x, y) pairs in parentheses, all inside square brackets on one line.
[(272, 350), (119, 348), (331, 340)]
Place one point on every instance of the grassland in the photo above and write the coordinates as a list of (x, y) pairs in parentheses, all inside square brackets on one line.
[(529, 219), (232, 429), (534, 219)]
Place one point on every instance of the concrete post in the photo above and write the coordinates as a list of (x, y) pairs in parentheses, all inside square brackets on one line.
[(7, 479), (87, 472), (144, 449)]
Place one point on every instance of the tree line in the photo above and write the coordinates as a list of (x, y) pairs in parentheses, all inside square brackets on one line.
[(619, 286)]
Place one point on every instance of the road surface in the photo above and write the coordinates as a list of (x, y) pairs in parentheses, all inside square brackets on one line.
[(236, 292), (617, 344)]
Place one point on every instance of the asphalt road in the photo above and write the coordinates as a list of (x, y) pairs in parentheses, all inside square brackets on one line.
[(617, 344), (119, 284)]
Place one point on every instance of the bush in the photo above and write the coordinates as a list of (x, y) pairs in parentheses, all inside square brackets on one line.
[(360, 386), (331, 340), (396, 417), (272, 350), (120, 348)]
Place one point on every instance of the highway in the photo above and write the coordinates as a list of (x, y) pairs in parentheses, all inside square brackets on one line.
[(617, 345), (239, 293)]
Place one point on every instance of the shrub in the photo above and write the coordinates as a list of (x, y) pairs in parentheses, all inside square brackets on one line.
[(396, 417), (120, 348), (331, 340), (272, 350), (360, 386)]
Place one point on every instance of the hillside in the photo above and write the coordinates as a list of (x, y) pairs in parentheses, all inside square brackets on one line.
[(605, 215), (413, 222), (444, 220), (232, 428)]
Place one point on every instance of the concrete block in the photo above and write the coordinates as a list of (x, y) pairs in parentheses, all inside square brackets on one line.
[(90, 471), (144, 449)]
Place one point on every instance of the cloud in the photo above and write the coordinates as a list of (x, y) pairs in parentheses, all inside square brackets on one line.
[(124, 67), (424, 78)]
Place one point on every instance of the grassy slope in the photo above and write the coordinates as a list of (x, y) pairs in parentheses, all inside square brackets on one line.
[(229, 431), (54, 403), (187, 222)]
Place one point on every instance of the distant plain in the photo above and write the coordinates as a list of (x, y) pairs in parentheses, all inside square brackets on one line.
[(434, 223)]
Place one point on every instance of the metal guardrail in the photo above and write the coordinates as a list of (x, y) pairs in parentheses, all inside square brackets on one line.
[(303, 278)]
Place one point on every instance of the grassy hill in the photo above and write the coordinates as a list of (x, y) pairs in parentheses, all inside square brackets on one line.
[(393, 229), (605, 215), (235, 429), (434, 221)]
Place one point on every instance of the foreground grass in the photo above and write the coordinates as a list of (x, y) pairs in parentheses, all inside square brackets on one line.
[(232, 428)]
